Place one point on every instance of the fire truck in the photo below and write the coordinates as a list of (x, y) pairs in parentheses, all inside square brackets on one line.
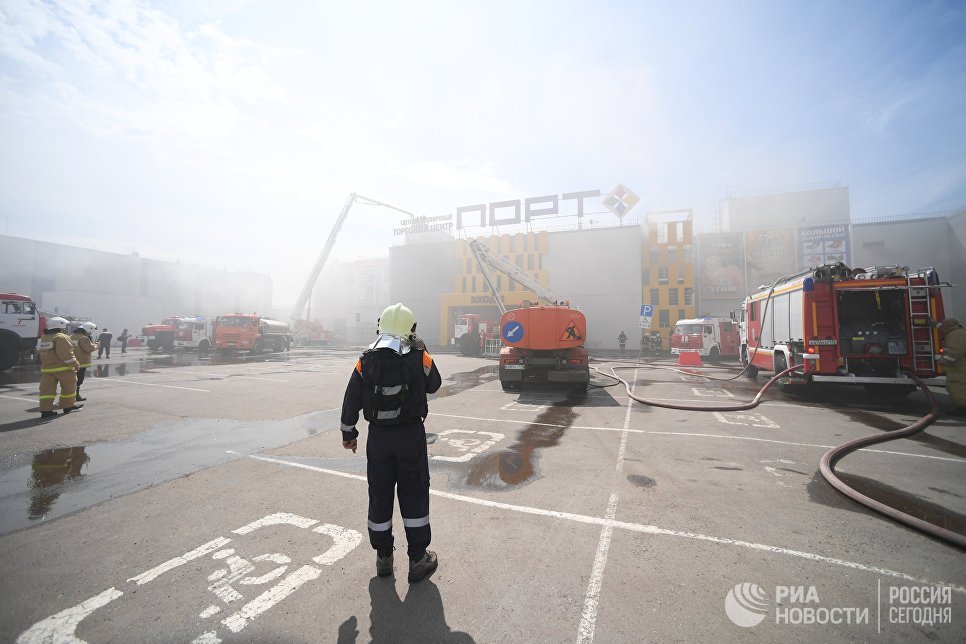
[(712, 338), (868, 326), (543, 343), (250, 332), (161, 336), (470, 332), (309, 333), (194, 333), (20, 327)]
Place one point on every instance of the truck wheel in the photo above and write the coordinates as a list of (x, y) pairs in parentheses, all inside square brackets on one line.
[(714, 355), (780, 365), (509, 386), (751, 372), (154, 345), (204, 346), (257, 347), (9, 354)]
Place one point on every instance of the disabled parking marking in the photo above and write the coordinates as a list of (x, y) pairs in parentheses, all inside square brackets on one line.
[(520, 406), (62, 626), (753, 419), (710, 392), (469, 446)]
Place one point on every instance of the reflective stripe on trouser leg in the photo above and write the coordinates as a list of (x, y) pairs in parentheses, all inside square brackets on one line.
[(381, 474), (413, 483), (68, 388), (48, 391)]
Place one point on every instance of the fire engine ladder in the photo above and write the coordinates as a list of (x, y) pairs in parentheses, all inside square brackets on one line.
[(923, 347), (485, 256)]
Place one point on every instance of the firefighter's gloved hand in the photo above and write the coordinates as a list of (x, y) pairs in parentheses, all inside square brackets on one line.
[(353, 444), (417, 342)]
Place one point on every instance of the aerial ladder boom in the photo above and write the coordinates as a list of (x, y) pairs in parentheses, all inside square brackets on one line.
[(329, 244), (485, 258)]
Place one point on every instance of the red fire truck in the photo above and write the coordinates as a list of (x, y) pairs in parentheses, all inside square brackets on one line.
[(470, 331), (868, 326), (712, 338), (161, 336)]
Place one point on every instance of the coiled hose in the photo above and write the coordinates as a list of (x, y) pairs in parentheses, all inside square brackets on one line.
[(834, 455)]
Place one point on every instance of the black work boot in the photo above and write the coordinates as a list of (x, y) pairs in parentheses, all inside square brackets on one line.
[(384, 565), (47, 414), (421, 567), (74, 408)]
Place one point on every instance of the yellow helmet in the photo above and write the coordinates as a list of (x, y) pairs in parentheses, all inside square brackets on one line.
[(397, 320)]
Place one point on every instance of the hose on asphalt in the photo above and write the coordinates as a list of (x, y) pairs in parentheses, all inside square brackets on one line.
[(834, 455)]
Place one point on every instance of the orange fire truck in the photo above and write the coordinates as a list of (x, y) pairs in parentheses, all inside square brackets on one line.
[(540, 343), (250, 333), (868, 326)]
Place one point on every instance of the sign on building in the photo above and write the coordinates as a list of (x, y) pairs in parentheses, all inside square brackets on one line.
[(827, 244)]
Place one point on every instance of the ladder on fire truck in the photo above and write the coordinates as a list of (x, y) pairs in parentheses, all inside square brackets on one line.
[(920, 317), (487, 258)]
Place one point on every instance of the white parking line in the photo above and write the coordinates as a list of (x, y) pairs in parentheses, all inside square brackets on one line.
[(588, 618), (224, 375), (636, 527), (32, 401), (154, 384), (701, 435)]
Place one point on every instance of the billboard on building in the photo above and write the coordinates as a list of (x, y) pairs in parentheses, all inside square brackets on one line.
[(769, 254), (722, 265), (824, 245)]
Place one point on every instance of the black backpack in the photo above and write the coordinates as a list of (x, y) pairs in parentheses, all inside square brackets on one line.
[(394, 392)]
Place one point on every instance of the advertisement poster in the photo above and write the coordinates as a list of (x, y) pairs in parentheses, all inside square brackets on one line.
[(827, 244), (769, 254), (722, 268)]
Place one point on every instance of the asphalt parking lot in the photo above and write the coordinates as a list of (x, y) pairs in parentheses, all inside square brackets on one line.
[(209, 499)]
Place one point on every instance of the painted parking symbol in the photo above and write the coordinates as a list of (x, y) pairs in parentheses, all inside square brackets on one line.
[(512, 331), (709, 392), (466, 443), (750, 419), (235, 574), (519, 406)]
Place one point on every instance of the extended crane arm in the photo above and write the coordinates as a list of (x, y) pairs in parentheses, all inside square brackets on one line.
[(485, 257), (329, 244)]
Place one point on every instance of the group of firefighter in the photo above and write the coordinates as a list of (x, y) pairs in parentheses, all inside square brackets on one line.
[(64, 360)]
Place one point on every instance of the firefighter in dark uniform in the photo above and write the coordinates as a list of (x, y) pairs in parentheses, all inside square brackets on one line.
[(58, 365), (389, 385)]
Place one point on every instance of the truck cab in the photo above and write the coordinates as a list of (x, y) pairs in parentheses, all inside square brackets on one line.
[(20, 326), (710, 337), (194, 333)]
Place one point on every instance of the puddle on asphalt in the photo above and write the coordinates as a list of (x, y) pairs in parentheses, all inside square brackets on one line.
[(517, 464), (820, 491), (460, 382), (55, 482), (640, 480)]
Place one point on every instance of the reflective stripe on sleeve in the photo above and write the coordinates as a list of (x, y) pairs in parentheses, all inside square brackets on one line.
[(348, 428), (381, 527), (416, 523)]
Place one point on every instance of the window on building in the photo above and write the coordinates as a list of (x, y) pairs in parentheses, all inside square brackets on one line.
[(499, 282), (530, 262), (689, 297), (662, 233), (681, 275), (513, 243), (645, 276), (655, 296), (679, 231), (687, 255), (519, 261), (672, 296), (473, 285), (513, 285), (464, 285), (682, 315), (672, 254), (662, 275), (652, 255), (469, 264), (664, 318)]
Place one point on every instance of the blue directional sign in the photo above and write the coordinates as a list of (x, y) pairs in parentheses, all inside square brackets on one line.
[(512, 331)]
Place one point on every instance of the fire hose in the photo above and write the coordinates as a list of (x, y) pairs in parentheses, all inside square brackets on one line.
[(834, 455)]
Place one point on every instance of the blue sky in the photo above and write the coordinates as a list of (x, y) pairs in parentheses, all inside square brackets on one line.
[(229, 134)]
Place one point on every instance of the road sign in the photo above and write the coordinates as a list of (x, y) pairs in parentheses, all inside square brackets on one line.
[(512, 331), (647, 314)]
